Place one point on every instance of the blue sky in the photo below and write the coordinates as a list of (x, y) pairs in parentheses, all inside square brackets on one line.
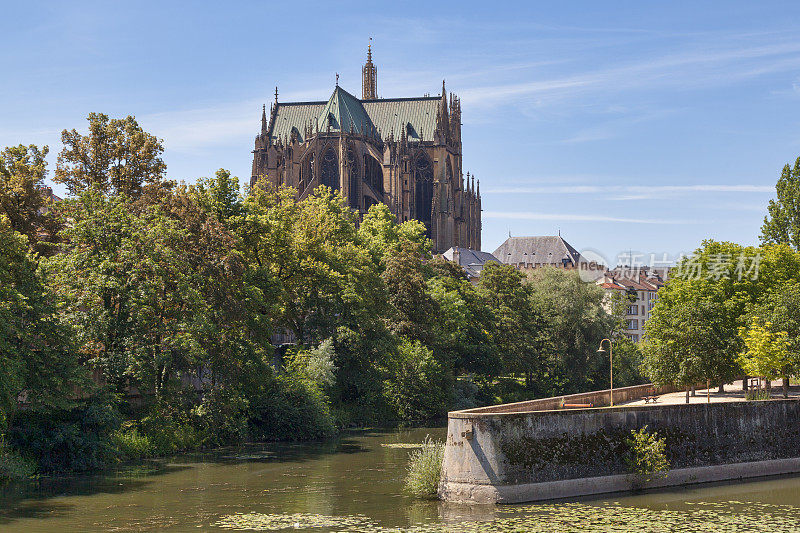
[(644, 126)]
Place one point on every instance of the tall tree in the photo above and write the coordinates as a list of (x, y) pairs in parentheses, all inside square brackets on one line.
[(693, 330), (577, 320), (413, 310), (132, 287), (464, 322), (24, 198), (36, 355), (116, 157), (782, 223), (519, 328)]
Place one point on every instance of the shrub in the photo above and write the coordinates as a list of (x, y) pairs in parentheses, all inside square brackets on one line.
[(222, 417), (425, 469), (291, 408), (13, 467), (418, 386), (169, 431), (131, 444), (75, 439), (646, 460)]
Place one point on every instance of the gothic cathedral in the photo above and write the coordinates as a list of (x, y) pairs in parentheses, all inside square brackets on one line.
[(403, 152)]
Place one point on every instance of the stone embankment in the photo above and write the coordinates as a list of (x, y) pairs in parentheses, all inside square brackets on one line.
[(535, 450)]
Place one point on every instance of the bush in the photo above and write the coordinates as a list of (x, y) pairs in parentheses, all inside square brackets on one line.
[(418, 387), (292, 409), (222, 417), (76, 439), (169, 430), (316, 365), (425, 469), (13, 467), (647, 460), (131, 444)]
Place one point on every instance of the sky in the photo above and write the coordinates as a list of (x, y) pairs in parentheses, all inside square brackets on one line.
[(628, 126)]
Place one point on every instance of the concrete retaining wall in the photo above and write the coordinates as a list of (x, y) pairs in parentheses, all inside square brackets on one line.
[(507, 456)]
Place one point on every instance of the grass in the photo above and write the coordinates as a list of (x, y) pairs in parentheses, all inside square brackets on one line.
[(425, 469)]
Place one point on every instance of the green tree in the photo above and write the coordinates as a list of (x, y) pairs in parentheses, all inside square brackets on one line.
[(128, 292), (417, 386), (116, 157), (36, 355), (464, 322), (519, 327), (780, 306), (412, 308), (576, 322), (23, 195), (693, 330), (782, 223), (766, 352), (383, 236)]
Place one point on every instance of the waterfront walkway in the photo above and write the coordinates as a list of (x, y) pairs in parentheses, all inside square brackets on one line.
[(733, 393)]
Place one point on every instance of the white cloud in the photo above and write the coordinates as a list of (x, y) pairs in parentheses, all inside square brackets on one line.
[(632, 192), (528, 215)]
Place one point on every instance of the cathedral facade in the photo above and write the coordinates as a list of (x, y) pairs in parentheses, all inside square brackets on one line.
[(403, 152)]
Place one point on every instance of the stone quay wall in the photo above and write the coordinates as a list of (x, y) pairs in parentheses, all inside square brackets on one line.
[(501, 454)]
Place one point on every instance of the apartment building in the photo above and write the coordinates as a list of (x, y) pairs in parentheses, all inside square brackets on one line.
[(641, 286)]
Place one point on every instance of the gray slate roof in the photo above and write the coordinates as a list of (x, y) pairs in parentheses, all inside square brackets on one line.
[(386, 114), (471, 261), (542, 250)]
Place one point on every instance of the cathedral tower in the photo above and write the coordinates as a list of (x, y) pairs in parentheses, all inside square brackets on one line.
[(369, 77)]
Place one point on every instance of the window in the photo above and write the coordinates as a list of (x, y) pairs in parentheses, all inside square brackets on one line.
[(306, 173), (355, 193), (330, 169), (632, 309), (634, 338), (423, 204), (373, 173), (632, 324)]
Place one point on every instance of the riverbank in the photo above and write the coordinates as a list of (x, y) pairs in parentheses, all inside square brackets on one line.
[(512, 454)]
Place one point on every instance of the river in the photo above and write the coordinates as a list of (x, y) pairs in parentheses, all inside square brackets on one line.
[(355, 484)]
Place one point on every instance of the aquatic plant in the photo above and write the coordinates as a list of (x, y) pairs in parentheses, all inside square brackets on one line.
[(709, 517), (425, 469), (282, 521)]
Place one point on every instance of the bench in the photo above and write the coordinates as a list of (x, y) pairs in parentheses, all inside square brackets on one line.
[(650, 397), (577, 405)]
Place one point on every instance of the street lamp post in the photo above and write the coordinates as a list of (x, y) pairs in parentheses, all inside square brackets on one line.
[(610, 366)]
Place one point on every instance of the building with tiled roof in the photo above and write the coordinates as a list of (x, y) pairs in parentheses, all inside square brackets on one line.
[(528, 253), (403, 152), (472, 261), (641, 286)]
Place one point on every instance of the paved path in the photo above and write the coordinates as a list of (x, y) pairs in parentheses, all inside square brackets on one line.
[(733, 393)]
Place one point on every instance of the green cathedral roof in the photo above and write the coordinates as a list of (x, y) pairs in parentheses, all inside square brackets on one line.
[(344, 112), (417, 116)]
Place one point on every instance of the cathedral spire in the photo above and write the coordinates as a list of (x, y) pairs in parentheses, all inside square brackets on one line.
[(264, 118), (369, 77)]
